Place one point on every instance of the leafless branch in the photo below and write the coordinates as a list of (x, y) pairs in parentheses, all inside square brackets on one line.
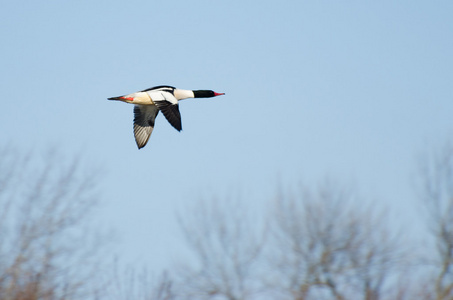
[(44, 205), (227, 245), (437, 196), (329, 242)]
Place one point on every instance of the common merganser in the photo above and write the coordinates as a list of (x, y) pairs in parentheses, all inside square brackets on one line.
[(164, 98)]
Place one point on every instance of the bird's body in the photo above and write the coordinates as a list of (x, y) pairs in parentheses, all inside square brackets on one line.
[(163, 98)]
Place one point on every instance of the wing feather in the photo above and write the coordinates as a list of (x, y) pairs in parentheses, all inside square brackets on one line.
[(144, 118), (168, 104)]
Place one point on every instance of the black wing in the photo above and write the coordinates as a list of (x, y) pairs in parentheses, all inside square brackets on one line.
[(165, 88), (171, 113)]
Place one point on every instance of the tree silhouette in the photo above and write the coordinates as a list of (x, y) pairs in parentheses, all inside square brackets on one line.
[(45, 251), (436, 194), (326, 246)]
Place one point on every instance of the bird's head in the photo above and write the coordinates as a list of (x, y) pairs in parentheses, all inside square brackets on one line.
[(206, 94)]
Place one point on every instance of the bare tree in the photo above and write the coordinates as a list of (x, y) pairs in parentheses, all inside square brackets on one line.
[(226, 242), (45, 250), (436, 194), (328, 245), (323, 244), (131, 283)]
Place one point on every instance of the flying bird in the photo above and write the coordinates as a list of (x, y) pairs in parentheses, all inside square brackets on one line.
[(163, 98)]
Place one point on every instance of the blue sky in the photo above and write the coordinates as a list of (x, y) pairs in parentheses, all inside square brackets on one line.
[(351, 90)]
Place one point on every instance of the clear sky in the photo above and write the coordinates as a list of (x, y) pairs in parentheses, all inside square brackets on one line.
[(351, 90)]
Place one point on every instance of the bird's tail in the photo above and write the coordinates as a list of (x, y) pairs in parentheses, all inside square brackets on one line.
[(115, 98)]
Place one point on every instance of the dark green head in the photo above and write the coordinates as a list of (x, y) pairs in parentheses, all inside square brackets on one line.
[(206, 94)]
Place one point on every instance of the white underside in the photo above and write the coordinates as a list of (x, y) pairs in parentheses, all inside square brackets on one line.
[(149, 97), (141, 98)]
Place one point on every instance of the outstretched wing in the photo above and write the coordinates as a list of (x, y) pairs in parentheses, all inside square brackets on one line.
[(168, 104), (144, 117)]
